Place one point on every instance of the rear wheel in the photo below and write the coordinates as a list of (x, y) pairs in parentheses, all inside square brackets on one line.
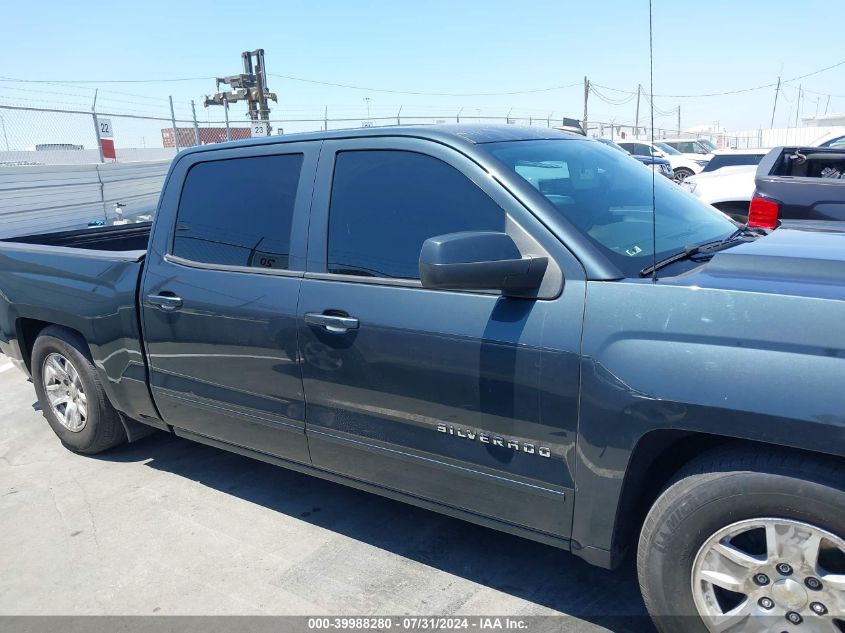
[(71, 395), (681, 173), (747, 542)]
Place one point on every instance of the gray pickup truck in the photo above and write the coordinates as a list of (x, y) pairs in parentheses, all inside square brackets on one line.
[(799, 183), (519, 327)]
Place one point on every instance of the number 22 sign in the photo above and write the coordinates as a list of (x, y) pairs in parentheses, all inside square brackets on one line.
[(104, 125)]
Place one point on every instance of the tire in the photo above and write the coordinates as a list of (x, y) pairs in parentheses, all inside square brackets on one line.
[(99, 428), (741, 490), (681, 173)]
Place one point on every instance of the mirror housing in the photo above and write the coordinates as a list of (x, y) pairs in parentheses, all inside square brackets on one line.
[(479, 260)]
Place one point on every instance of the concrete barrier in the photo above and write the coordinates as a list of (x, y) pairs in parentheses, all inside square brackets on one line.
[(46, 198)]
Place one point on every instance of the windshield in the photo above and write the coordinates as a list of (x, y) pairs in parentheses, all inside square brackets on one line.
[(608, 196), (707, 145), (667, 149), (610, 143)]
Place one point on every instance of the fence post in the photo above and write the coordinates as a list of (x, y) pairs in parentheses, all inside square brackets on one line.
[(196, 126), (398, 120), (96, 127), (173, 121), (5, 138), (226, 111), (326, 119)]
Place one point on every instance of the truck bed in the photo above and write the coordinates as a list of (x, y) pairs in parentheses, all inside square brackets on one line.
[(795, 178), (126, 238)]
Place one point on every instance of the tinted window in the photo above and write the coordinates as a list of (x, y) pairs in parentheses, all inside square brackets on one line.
[(608, 197), (385, 204), (731, 160), (641, 150), (834, 142), (238, 212)]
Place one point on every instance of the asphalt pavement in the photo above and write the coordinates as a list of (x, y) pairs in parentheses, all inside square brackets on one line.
[(166, 526)]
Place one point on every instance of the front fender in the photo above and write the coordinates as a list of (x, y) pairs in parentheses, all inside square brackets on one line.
[(739, 364)]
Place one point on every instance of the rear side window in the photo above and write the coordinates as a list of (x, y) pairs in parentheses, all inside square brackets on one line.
[(732, 160), (238, 212), (386, 203)]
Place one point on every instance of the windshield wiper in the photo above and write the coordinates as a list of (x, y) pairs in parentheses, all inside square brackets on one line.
[(707, 248)]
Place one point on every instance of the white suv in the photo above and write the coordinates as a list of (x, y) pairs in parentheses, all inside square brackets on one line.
[(691, 146), (683, 165)]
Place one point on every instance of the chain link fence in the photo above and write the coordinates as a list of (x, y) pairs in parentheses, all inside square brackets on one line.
[(55, 136)]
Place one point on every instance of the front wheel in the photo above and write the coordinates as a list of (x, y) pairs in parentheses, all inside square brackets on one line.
[(741, 541), (71, 395), (681, 174)]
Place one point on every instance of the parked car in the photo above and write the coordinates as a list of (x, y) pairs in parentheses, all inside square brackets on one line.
[(729, 189), (799, 183), (372, 307), (659, 165), (683, 165), (734, 157), (832, 139), (693, 146)]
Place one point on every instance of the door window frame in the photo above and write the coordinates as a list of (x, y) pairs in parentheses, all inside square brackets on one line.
[(520, 223), (161, 241)]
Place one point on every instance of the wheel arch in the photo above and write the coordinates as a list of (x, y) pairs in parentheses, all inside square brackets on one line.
[(657, 458), (28, 330)]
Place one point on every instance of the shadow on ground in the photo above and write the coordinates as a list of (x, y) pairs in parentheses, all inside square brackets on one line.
[(531, 571)]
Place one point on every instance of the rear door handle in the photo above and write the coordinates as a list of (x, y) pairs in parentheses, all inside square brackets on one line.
[(168, 303), (332, 322)]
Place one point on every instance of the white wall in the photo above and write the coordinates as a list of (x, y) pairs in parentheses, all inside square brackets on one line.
[(47, 198), (85, 156)]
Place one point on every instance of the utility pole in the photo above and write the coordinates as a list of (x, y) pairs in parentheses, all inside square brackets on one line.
[(249, 86), (777, 90), (637, 118), (196, 126), (586, 95), (798, 105), (173, 123)]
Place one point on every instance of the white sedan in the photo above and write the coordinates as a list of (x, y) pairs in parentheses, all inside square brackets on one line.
[(729, 189)]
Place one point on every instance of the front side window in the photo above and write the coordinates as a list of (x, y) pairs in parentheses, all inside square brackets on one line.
[(238, 212), (608, 197), (386, 203), (667, 149)]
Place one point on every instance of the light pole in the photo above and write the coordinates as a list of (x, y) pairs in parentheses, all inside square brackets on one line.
[(5, 138)]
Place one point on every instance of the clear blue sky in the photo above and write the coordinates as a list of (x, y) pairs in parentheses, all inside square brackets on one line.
[(434, 46)]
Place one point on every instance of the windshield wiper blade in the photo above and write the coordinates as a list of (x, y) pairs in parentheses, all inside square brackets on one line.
[(697, 249)]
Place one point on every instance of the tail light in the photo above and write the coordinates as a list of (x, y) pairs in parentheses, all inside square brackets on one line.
[(763, 213)]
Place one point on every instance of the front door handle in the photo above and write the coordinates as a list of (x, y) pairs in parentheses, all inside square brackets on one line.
[(332, 322), (168, 303)]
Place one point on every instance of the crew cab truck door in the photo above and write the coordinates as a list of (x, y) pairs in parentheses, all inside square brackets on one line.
[(219, 296), (467, 399)]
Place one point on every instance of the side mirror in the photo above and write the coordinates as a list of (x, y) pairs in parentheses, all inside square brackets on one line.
[(479, 260)]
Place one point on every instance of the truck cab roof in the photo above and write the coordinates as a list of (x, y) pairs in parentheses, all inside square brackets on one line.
[(451, 134)]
